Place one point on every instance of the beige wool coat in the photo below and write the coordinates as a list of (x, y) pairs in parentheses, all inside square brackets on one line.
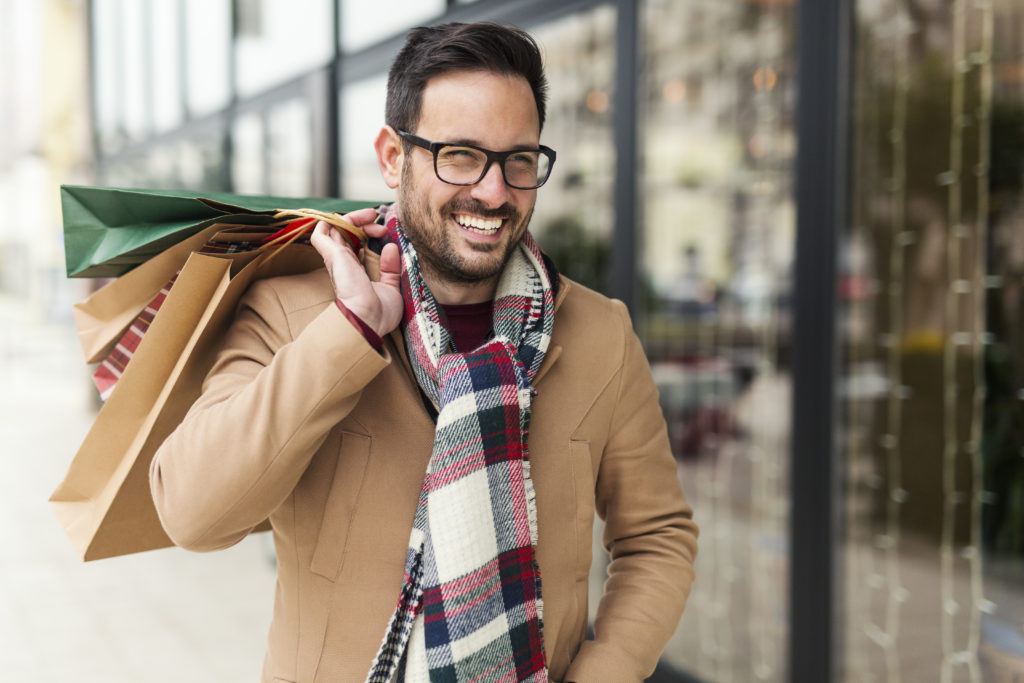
[(301, 421)]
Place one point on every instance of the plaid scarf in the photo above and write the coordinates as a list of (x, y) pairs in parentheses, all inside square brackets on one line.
[(470, 606)]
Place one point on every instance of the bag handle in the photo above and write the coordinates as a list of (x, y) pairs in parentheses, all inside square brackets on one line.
[(314, 215), (302, 221)]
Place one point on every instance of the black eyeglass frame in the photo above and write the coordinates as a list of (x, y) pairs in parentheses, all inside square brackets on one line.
[(492, 157)]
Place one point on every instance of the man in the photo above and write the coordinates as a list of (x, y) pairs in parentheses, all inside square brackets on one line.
[(431, 430)]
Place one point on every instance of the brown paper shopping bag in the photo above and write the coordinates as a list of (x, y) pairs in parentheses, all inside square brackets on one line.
[(105, 315), (104, 502)]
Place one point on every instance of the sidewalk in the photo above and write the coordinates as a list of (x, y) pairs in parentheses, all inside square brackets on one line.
[(166, 615)]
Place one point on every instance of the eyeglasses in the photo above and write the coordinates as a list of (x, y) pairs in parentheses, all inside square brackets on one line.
[(523, 169)]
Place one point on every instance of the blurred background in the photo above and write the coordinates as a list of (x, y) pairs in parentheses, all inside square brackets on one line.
[(874, 534)]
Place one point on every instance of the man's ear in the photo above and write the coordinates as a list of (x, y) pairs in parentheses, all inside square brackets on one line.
[(390, 155)]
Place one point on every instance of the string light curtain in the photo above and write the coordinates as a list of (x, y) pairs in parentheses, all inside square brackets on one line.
[(932, 583)]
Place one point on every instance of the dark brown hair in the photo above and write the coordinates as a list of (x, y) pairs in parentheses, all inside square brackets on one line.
[(435, 50)]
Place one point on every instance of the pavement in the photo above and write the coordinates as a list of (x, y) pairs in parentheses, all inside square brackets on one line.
[(164, 615)]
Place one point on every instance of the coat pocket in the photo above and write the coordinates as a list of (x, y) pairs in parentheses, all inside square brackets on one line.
[(341, 504), (583, 488)]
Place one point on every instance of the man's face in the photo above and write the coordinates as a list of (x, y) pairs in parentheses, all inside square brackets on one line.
[(465, 234)]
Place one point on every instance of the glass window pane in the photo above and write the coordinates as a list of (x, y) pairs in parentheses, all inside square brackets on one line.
[(290, 150), (933, 292), (208, 40), (201, 163), (107, 82), (281, 40), (573, 217), (136, 82), (249, 161), (165, 42), (365, 23), (716, 247), (362, 116), (193, 164)]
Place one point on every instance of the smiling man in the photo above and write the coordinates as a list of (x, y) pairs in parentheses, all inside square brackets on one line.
[(431, 425)]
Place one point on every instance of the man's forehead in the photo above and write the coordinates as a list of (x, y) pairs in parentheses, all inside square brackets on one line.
[(474, 107)]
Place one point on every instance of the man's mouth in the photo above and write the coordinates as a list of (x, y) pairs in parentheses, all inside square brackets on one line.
[(478, 225)]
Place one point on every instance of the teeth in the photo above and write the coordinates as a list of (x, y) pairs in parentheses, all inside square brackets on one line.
[(484, 226)]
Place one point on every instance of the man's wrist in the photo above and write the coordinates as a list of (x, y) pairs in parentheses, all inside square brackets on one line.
[(372, 338)]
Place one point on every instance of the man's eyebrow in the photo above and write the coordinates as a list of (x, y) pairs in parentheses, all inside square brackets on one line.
[(476, 143)]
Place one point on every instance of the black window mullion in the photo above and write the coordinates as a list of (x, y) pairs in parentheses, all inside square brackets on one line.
[(815, 518), (622, 284), (333, 141)]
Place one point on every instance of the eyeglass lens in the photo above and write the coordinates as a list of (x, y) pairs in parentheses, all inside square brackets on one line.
[(465, 166)]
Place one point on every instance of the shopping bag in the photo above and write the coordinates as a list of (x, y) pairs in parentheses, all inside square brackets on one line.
[(109, 231), (104, 502), (242, 243), (104, 316)]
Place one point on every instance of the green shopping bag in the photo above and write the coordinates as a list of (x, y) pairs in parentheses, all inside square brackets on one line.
[(108, 231)]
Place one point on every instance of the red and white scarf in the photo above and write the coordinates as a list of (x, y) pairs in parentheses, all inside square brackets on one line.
[(470, 607)]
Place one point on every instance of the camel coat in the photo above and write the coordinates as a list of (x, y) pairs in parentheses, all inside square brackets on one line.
[(301, 421)]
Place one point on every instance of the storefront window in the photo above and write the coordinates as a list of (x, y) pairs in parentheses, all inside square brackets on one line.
[(136, 91), (574, 214), (207, 48), (201, 163), (290, 150), (364, 23), (106, 74), (280, 40), (934, 345), (362, 116), (165, 40), (715, 245), (248, 159), (122, 84)]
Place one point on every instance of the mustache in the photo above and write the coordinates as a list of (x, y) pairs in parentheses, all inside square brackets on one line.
[(475, 207)]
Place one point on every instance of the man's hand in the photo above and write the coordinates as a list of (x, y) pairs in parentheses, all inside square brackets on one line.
[(378, 304)]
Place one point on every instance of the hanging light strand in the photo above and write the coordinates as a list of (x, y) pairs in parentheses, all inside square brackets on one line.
[(983, 59), (959, 333), (900, 240)]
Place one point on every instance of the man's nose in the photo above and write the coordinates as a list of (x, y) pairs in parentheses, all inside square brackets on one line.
[(491, 190)]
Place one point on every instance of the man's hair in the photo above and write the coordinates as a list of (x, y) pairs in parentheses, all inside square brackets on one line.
[(435, 50)]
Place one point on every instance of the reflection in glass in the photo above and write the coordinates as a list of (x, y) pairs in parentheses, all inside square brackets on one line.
[(365, 23), (280, 40), (106, 74), (165, 41), (934, 367), (134, 79), (362, 117), (194, 164), (290, 150), (248, 164), (207, 44), (573, 217), (201, 163), (716, 245)]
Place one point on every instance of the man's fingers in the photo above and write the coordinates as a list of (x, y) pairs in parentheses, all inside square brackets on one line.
[(390, 265), (361, 217), (375, 229), (324, 239)]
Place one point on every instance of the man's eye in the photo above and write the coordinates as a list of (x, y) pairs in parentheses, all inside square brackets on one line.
[(525, 160), (459, 154)]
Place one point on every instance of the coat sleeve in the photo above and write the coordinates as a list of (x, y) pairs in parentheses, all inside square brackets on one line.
[(649, 533), (266, 407)]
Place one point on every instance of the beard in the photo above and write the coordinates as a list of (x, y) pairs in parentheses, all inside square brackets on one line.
[(431, 233)]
